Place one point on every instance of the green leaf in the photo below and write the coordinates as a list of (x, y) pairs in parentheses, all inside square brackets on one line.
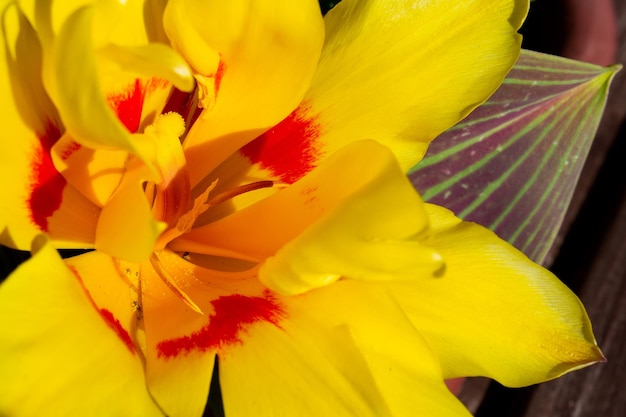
[(513, 163)]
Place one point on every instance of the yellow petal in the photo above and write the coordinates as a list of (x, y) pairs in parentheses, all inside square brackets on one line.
[(375, 234), (293, 372), (25, 99), (495, 313), (181, 343), (355, 216), (336, 354), (73, 224), (37, 198), (117, 21), (29, 124), (253, 59), (153, 60), (51, 332), (397, 72), (86, 78), (261, 229), (149, 196), (96, 173), (126, 227), (172, 188), (112, 287), (153, 322), (77, 93)]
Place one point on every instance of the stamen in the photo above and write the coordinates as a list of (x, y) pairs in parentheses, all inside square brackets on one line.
[(171, 284), (242, 189), (186, 221), (202, 203)]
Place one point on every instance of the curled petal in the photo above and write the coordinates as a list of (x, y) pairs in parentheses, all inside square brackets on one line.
[(88, 77), (495, 313), (95, 173), (126, 227), (77, 93), (263, 228), (153, 60), (379, 233), (116, 21)]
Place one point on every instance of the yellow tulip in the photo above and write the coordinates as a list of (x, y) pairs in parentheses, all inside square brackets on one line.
[(233, 173)]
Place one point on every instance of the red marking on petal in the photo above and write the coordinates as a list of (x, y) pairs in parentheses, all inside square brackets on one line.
[(156, 83), (233, 315), (289, 150), (108, 317), (69, 150), (310, 194), (219, 74), (47, 185), (128, 106), (117, 327)]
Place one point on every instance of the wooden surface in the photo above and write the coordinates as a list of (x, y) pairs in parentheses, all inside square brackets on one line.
[(590, 258)]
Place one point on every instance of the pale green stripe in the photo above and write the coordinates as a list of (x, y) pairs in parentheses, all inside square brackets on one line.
[(536, 174), (548, 193), (591, 71), (470, 141), (533, 179), (517, 81), (491, 187), (433, 191), (535, 58), (595, 106)]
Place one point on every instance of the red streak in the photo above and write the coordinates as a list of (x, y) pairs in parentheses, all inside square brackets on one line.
[(47, 185), (108, 317), (290, 149), (219, 74), (156, 83), (129, 105), (69, 150), (117, 327), (233, 315)]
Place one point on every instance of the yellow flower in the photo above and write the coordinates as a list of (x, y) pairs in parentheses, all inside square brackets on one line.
[(236, 170)]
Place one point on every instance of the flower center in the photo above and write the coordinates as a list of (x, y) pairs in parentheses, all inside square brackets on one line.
[(172, 203), (201, 204), (185, 223)]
